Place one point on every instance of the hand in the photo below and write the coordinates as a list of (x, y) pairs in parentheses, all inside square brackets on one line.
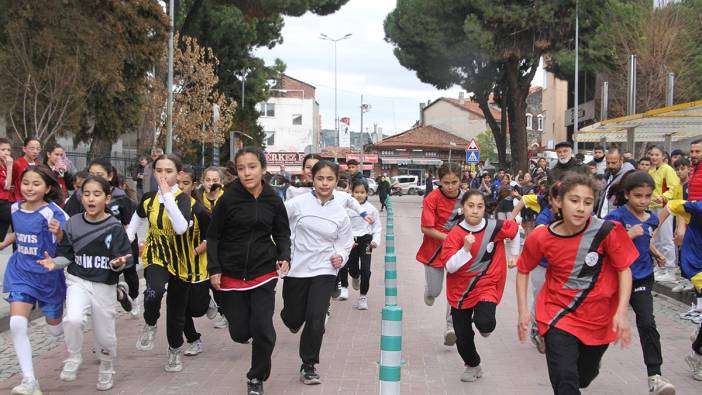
[(163, 185), (337, 261), (55, 227), (622, 329), (283, 267), (117, 262), (660, 200), (141, 248), (635, 231), (511, 261), (47, 262), (369, 219), (468, 241), (374, 244), (523, 325), (216, 281), (8, 161)]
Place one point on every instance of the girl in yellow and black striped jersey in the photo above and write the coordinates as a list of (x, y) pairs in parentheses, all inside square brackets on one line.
[(168, 213)]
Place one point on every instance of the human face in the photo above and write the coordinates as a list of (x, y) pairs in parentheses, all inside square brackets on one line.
[(155, 154), (325, 183), (500, 174), (250, 172), (360, 194), (143, 161), (165, 168), (576, 206), (639, 198), (542, 163), (32, 150), (353, 169), (656, 157), (674, 158), (56, 156), (308, 168), (628, 155), (99, 171), (212, 177), (598, 153), (33, 187), (527, 179), (564, 154), (94, 199), (683, 172), (644, 165), (185, 182), (450, 185), (695, 153), (474, 209), (5, 151), (614, 162)]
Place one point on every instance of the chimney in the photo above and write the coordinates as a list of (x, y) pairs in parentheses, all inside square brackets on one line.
[(422, 106), (461, 98)]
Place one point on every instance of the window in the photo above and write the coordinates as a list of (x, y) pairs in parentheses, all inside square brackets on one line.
[(529, 121), (297, 119), (270, 138), (540, 122), (387, 153), (430, 153), (267, 109)]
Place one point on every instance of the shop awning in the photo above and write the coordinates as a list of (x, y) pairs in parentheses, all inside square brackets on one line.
[(396, 161), (411, 161), (680, 122)]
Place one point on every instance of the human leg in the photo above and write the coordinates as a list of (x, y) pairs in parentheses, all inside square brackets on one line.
[(562, 357), (642, 303), (295, 294), (320, 288), (261, 307)]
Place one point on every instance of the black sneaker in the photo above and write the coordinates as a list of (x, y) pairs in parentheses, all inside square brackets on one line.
[(309, 376), (255, 387), (123, 297)]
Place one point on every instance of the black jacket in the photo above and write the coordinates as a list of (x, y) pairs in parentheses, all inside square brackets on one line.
[(559, 170), (246, 235)]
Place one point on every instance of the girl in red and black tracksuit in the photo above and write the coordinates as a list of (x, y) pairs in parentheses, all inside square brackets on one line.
[(476, 268), (55, 159), (31, 149), (6, 195), (247, 242), (582, 306), (441, 210)]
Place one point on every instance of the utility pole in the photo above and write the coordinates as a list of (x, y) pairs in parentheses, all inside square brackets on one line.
[(336, 114), (364, 108), (576, 114), (169, 101)]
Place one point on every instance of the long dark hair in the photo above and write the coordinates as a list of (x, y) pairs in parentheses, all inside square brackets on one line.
[(189, 170), (53, 194), (631, 180), (51, 148), (104, 185)]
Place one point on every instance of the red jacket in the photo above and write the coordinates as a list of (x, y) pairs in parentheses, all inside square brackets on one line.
[(17, 169), (694, 183)]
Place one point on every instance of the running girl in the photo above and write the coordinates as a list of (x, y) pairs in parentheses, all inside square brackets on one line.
[(38, 224), (248, 240), (199, 302), (321, 242), (583, 304), (476, 266), (212, 188), (6, 195), (55, 160), (168, 214), (94, 249), (633, 199), (441, 211), (366, 238), (31, 149)]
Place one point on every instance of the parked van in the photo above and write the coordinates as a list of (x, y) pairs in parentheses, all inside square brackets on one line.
[(408, 184)]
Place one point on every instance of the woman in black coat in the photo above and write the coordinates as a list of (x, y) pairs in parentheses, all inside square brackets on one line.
[(383, 191)]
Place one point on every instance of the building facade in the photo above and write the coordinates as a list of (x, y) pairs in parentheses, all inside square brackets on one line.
[(460, 117)]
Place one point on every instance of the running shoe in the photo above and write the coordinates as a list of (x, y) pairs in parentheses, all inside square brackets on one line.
[(471, 374), (221, 322), (659, 385), (27, 387), (695, 362), (70, 368), (254, 387), (309, 376), (106, 374), (123, 297), (326, 318), (337, 292), (697, 320), (683, 285), (690, 314), (136, 308), (212, 309), (194, 348), (146, 340), (356, 283), (362, 303), (428, 299), (343, 294), (175, 363), (665, 276), (449, 336)]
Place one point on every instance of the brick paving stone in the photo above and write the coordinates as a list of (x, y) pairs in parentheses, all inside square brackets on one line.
[(351, 348)]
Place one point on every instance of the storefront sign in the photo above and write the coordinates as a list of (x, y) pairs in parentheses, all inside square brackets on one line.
[(285, 158), (367, 158)]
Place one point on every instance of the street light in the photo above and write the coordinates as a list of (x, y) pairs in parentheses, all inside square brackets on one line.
[(169, 99), (323, 36), (364, 109)]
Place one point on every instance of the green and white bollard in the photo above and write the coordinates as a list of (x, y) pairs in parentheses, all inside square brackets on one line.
[(390, 350), (390, 280)]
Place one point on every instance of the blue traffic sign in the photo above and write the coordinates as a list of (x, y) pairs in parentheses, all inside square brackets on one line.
[(472, 156)]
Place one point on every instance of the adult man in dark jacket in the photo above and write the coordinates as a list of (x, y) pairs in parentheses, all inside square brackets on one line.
[(566, 163), (616, 169)]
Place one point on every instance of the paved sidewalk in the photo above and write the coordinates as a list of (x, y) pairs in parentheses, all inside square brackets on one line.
[(351, 348)]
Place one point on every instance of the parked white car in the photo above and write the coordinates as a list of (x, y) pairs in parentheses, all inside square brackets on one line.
[(372, 186), (407, 183), (423, 189)]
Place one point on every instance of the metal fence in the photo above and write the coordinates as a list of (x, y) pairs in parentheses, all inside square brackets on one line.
[(125, 165)]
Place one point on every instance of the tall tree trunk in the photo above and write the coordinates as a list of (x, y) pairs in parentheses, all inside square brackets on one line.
[(519, 80), (497, 131), (99, 148)]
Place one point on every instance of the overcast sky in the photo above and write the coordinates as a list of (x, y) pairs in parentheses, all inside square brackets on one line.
[(366, 65)]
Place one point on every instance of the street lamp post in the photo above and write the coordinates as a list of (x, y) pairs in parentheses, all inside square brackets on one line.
[(232, 140), (169, 100), (364, 109), (336, 115)]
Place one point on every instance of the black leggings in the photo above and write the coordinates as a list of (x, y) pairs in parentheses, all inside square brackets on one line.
[(156, 279), (482, 315), (571, 364), (5, 218), (359, 264), (642, 302), (131, 277)]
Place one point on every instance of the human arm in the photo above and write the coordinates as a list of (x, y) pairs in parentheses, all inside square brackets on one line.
[(354, 205), (343, 244), (214, 233), (121, 250), (518, 208), (376, 229), (281, 236), (134, 225), (179, 213), (457, 249), (8, 172), (10, 238), (621, 321), (524, 317)]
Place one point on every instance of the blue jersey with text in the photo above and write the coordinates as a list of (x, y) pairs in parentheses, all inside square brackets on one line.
[(643, 265), (23, 273)]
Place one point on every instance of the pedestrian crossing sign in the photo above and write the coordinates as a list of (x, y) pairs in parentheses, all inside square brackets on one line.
[(472, 156)]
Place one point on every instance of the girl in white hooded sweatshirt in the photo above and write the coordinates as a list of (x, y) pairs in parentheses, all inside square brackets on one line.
[(321, 242)]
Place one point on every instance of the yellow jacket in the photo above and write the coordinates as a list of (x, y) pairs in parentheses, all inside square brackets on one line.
[(667, 183)]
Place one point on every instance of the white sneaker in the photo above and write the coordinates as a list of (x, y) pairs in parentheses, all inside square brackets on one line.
[(343, 294), (659, 385), (70, 367), (136, 309), (106, 374), (27, 387), (428, 299), (193, 348), (175, 364), (212, 309), (221, 322), (472, 374), (449, 337), (665, 276), (362, 303), (690, 314), (356, 283), (146, 340), (695, 362), (683, 285)]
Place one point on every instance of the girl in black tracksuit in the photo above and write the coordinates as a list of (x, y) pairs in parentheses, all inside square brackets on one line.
[(247, 242)]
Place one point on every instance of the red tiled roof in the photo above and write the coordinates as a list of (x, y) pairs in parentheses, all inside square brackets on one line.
[(423, 137), (534, 89), (471, 106)]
